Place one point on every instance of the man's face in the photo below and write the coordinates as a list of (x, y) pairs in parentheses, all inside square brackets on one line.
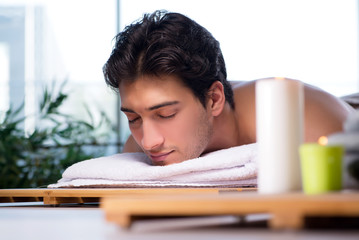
[(167, 121)]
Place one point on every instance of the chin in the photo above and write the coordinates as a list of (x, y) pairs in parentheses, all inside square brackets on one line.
[(159, 163), (167, 162)]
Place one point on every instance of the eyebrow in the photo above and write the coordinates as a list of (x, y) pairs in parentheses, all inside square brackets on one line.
[(164, 104)]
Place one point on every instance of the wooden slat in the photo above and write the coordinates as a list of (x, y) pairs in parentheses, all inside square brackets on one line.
[(288, 210), (36, 192), (85, 195)]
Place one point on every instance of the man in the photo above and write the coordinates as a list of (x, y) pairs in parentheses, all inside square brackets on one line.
[(171, 77)]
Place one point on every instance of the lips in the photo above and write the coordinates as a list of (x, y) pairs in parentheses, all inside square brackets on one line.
[(159, 157)]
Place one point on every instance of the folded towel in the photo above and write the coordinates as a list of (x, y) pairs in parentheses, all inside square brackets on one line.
[(104, 183), (234, 166)]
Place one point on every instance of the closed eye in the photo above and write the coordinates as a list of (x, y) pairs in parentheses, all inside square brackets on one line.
[(133, 120), (167, 116)]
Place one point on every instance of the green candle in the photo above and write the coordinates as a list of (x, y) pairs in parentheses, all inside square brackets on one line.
[(321, 167)]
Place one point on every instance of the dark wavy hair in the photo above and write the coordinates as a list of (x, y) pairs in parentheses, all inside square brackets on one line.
[(164, 43)]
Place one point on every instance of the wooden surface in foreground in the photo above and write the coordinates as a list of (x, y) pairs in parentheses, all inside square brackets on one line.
[(288, 211), (124, 205)]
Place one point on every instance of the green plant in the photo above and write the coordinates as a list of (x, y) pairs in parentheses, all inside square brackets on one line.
[(59, 140)]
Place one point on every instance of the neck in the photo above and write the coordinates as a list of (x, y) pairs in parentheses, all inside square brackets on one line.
[(225, 131)]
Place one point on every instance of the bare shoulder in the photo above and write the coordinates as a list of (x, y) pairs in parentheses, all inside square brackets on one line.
[(131, 145), (324, 113)]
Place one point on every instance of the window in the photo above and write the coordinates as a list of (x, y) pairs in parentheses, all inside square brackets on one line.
[(4, 76), (42, 42)]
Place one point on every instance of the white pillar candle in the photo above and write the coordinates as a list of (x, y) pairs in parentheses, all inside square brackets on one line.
[(279, 122)]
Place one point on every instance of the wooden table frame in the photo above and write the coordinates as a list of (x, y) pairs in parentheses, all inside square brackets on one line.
[(288, 210)]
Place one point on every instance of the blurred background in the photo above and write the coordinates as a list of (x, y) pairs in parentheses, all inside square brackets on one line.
[(55, 108)]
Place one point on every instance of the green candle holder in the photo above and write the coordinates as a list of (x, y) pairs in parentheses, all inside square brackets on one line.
[(321, 168)]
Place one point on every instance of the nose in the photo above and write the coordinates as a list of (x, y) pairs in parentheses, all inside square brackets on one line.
[(152, 137)]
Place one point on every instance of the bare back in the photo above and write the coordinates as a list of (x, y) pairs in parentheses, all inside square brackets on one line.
[(324, 113)]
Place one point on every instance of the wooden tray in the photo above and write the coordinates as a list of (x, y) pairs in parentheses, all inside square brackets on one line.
[(90, 195), (286, 210)]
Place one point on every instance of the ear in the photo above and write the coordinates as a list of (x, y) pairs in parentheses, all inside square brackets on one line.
[(216, 98)]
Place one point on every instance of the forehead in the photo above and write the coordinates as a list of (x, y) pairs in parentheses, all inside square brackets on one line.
[(146, 91)]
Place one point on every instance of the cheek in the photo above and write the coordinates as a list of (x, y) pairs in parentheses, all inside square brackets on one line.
[(136, 133), (184, 127)]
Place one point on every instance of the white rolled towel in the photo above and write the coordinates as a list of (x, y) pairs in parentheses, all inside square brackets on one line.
[(229, 166)]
